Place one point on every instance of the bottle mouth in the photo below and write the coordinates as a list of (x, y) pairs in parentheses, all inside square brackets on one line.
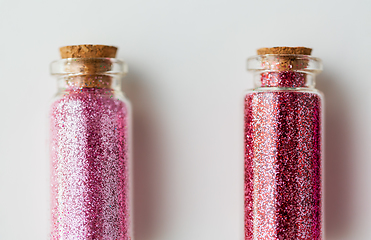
[(88, 66), (284, 62)]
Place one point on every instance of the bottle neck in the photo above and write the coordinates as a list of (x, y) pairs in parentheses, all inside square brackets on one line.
[(84, 73), (284, 70), (90, 81), (284, 79)]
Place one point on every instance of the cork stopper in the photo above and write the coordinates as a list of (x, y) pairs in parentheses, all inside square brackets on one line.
[(287, 59), (88, 51), (90, 65), (285, 50)]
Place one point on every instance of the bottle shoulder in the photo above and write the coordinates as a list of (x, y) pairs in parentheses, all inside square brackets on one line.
[(262, 93), (282, 90), (90, 98)]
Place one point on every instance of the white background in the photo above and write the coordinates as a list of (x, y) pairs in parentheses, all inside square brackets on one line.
[(187, 76)]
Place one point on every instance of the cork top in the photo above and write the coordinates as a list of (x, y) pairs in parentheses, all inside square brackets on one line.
[(278, 59), (88, 51), (90, 65), (284, 58), (285, 50)]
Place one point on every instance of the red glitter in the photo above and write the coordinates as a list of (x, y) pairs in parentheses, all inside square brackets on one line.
[(283, 159), (283, 79)]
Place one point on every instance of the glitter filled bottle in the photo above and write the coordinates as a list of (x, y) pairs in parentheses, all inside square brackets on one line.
[(90, 146), (283, 146)]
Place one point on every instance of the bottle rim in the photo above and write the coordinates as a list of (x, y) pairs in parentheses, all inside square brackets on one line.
[(84, 66), (284, 62)]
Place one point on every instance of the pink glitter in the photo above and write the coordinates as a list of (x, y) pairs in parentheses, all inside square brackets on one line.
[(283, 160), (89, 166)]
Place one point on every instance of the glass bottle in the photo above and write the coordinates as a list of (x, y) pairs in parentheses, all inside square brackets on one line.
[(283, 146), (90, 130)]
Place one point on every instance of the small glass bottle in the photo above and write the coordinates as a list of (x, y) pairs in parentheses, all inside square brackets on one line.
[(283, 146), (90, 146)]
